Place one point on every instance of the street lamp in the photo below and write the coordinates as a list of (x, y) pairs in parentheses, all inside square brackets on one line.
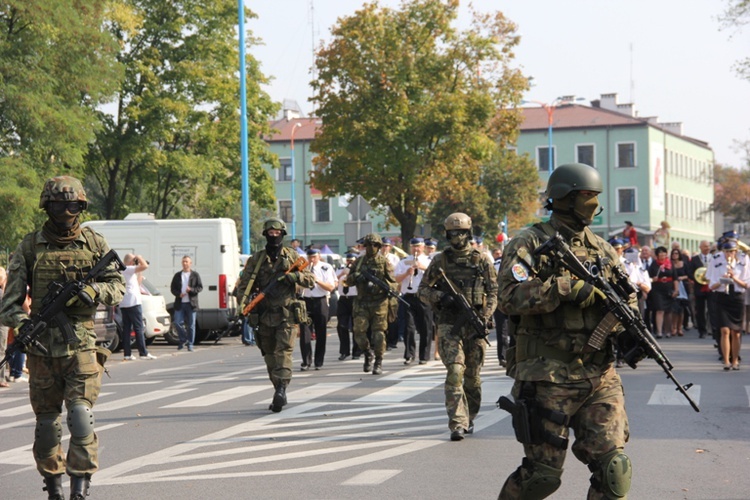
[(550, 109), (294, 208)]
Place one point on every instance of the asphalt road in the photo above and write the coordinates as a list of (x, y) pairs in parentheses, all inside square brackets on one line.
[(197, 425)]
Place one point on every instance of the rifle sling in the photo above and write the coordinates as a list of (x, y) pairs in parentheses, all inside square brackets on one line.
[(249, 287)]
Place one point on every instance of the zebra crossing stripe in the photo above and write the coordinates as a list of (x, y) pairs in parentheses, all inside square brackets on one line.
[(218, 397), (667, 394)]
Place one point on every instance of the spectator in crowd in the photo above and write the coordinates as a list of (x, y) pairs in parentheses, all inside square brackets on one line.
[(630, 234), (681, 304), (316, 300), (297, 246), (131, 308), (185, 286), (661, 235), (701, 292), (663, 291), (501, 320), (646, 260)]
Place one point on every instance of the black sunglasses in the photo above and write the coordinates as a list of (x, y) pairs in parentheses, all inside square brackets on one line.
[(60, 207)]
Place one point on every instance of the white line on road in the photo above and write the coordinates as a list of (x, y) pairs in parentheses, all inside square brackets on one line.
[(140, 399), (666, 394), (218, 397), (371, 477)]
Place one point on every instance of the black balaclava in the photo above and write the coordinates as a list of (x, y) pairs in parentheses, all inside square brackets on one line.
[(273, 244)]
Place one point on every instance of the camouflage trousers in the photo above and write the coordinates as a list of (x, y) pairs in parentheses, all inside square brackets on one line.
[(276, 344), (463, 384), (68, 379), (372, 315), (596, 408)]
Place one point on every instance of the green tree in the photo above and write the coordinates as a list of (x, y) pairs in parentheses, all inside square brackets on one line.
[(411, 107), (508, 187), (736, 16), (171, 146), (56, 66), (732, 191)]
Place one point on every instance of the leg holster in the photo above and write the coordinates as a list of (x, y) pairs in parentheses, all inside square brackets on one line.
[(527, 416)]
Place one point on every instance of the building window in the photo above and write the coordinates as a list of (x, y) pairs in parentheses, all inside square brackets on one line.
[(285, 210), (585, 154), (626, 200), (626, 155), (543, 158), (285, 170), (322, 210)]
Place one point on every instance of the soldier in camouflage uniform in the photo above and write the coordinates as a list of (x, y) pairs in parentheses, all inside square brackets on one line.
[(552, 316), (72, 373), (371, 304), (460, 350), (275, 317)]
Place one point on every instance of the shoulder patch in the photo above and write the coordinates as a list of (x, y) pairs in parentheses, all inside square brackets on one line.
[(519, 272)]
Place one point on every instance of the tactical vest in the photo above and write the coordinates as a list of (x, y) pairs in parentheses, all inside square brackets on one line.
[(378, 266), (568, 327), (467, 272), (61, 265)]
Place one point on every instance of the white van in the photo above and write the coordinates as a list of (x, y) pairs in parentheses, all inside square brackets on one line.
[(212, 244)]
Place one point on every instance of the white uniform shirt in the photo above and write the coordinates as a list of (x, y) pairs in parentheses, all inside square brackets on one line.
[(741, 269), (404, 265), (322, 272), (132, 295)]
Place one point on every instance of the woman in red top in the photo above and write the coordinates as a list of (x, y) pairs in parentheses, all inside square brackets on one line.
[(630, 234)]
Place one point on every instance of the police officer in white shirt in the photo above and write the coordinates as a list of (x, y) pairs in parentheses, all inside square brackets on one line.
[(316, 300), (344, 312), (408, 274)]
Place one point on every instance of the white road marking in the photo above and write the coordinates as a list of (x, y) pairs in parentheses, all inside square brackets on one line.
[(128, 384), (371, 477), (139, 399), (399, 392), (667, 394), (217, 397), (747, 390)]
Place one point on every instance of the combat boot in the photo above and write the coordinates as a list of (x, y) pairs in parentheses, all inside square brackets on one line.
[(378, 368), (54, 488), (79, 487), (279, 399), (368, 361)]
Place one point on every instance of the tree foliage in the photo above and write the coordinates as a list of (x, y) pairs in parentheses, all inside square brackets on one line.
[(56, 66), (736, 16), (732, 192), (171, 146), (413, 109)]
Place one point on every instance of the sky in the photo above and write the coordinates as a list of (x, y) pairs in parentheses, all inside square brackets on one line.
[(669, 57)]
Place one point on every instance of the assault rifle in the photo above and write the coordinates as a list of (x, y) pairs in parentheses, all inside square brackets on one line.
[(298, 265), (383, 286), (53, 309), (642, 343), (468, 312)]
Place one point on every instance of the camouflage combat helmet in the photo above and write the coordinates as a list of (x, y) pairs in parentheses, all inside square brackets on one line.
[(274, 223), (63, 188), (372, 239), (457, 220), (573, 177)]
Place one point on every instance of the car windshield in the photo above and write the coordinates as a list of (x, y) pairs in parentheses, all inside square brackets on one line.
[(148, 288)]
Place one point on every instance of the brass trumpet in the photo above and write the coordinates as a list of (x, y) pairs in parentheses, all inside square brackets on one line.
[(744, 247), (700, 276)]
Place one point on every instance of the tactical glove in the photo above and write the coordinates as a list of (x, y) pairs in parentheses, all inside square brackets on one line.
[(583, 294), (447, 301), (85, 298), (292, 278)]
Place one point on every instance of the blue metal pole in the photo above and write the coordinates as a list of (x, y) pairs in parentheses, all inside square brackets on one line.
[(243, 134)]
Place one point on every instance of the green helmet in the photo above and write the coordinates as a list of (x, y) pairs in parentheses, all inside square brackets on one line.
[(63, 188), (274, 223), (372, 239), (457, 220), (573, 177)]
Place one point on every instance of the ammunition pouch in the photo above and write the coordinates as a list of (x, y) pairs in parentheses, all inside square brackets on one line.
[(253, 319), (527, 416), (299, 312)]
